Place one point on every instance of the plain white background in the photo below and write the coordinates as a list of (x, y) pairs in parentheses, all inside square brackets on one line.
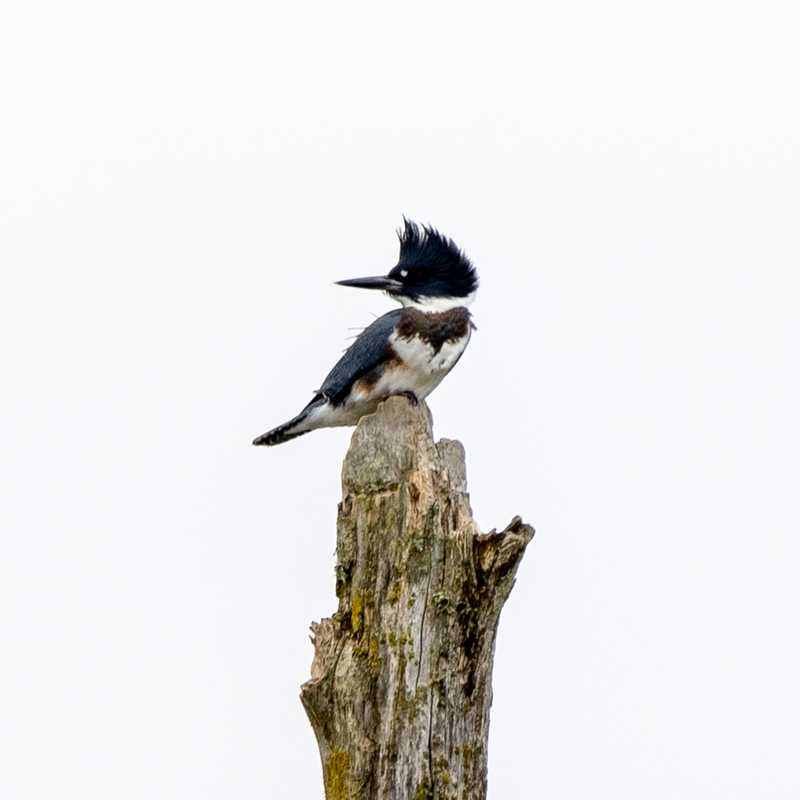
[(180, 185)]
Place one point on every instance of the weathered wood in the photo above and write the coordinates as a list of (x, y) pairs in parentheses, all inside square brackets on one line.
[(400, 685)]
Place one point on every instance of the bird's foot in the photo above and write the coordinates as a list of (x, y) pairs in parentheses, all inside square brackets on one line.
[(410, 396)]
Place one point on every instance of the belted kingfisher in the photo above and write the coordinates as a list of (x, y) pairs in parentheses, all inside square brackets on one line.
[(407, 351)]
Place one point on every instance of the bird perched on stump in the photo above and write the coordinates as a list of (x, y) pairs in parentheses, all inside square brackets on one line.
[(407, 351)]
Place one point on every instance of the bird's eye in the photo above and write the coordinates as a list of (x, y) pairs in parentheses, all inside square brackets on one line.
[(404, 273)]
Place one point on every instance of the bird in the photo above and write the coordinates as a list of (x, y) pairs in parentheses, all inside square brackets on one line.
[(407, 351)]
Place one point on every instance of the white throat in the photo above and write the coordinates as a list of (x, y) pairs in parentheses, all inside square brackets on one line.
[(436, 303)]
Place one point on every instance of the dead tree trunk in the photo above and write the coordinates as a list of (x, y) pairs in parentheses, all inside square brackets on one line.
[(401, 682)]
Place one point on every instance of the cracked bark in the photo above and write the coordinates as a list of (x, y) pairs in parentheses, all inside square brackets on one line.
[(400, 687)]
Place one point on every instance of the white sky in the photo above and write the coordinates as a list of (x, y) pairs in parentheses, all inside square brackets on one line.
[(180, 185)]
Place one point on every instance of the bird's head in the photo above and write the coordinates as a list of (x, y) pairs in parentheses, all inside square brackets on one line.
[(431, 274)]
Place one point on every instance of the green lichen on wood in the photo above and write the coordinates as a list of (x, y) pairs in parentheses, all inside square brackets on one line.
[(337, 777), (439, 684), (374, 654), (418, 701), (394, 593), (368, 649), (467, 755), (361, 601), (440, 769), (409, 704), (356, 612), (441, 601)]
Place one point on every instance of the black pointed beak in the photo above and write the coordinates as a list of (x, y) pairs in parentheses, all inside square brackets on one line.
[(380, 282)]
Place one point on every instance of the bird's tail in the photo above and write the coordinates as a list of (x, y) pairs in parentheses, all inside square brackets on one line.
[(289, 430)]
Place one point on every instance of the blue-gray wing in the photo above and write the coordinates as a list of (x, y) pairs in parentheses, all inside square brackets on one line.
[(366, 353)]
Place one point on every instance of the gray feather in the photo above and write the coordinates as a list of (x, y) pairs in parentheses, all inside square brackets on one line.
[(366, 352)]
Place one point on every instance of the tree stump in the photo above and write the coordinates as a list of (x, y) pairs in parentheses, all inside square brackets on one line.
[(400, 687)]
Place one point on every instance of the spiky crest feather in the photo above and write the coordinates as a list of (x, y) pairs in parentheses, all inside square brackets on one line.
[(433, 263)]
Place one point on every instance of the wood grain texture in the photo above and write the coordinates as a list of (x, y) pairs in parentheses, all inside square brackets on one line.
[(400, 686)]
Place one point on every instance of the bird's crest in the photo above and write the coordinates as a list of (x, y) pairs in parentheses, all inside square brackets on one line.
[(437, 263)]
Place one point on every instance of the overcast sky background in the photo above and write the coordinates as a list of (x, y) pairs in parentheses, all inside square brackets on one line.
[(180, 185)]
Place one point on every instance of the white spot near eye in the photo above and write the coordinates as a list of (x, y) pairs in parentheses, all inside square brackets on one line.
[(404, 273)]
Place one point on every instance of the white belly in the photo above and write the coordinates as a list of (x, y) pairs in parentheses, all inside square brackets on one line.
[(423, 369)]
